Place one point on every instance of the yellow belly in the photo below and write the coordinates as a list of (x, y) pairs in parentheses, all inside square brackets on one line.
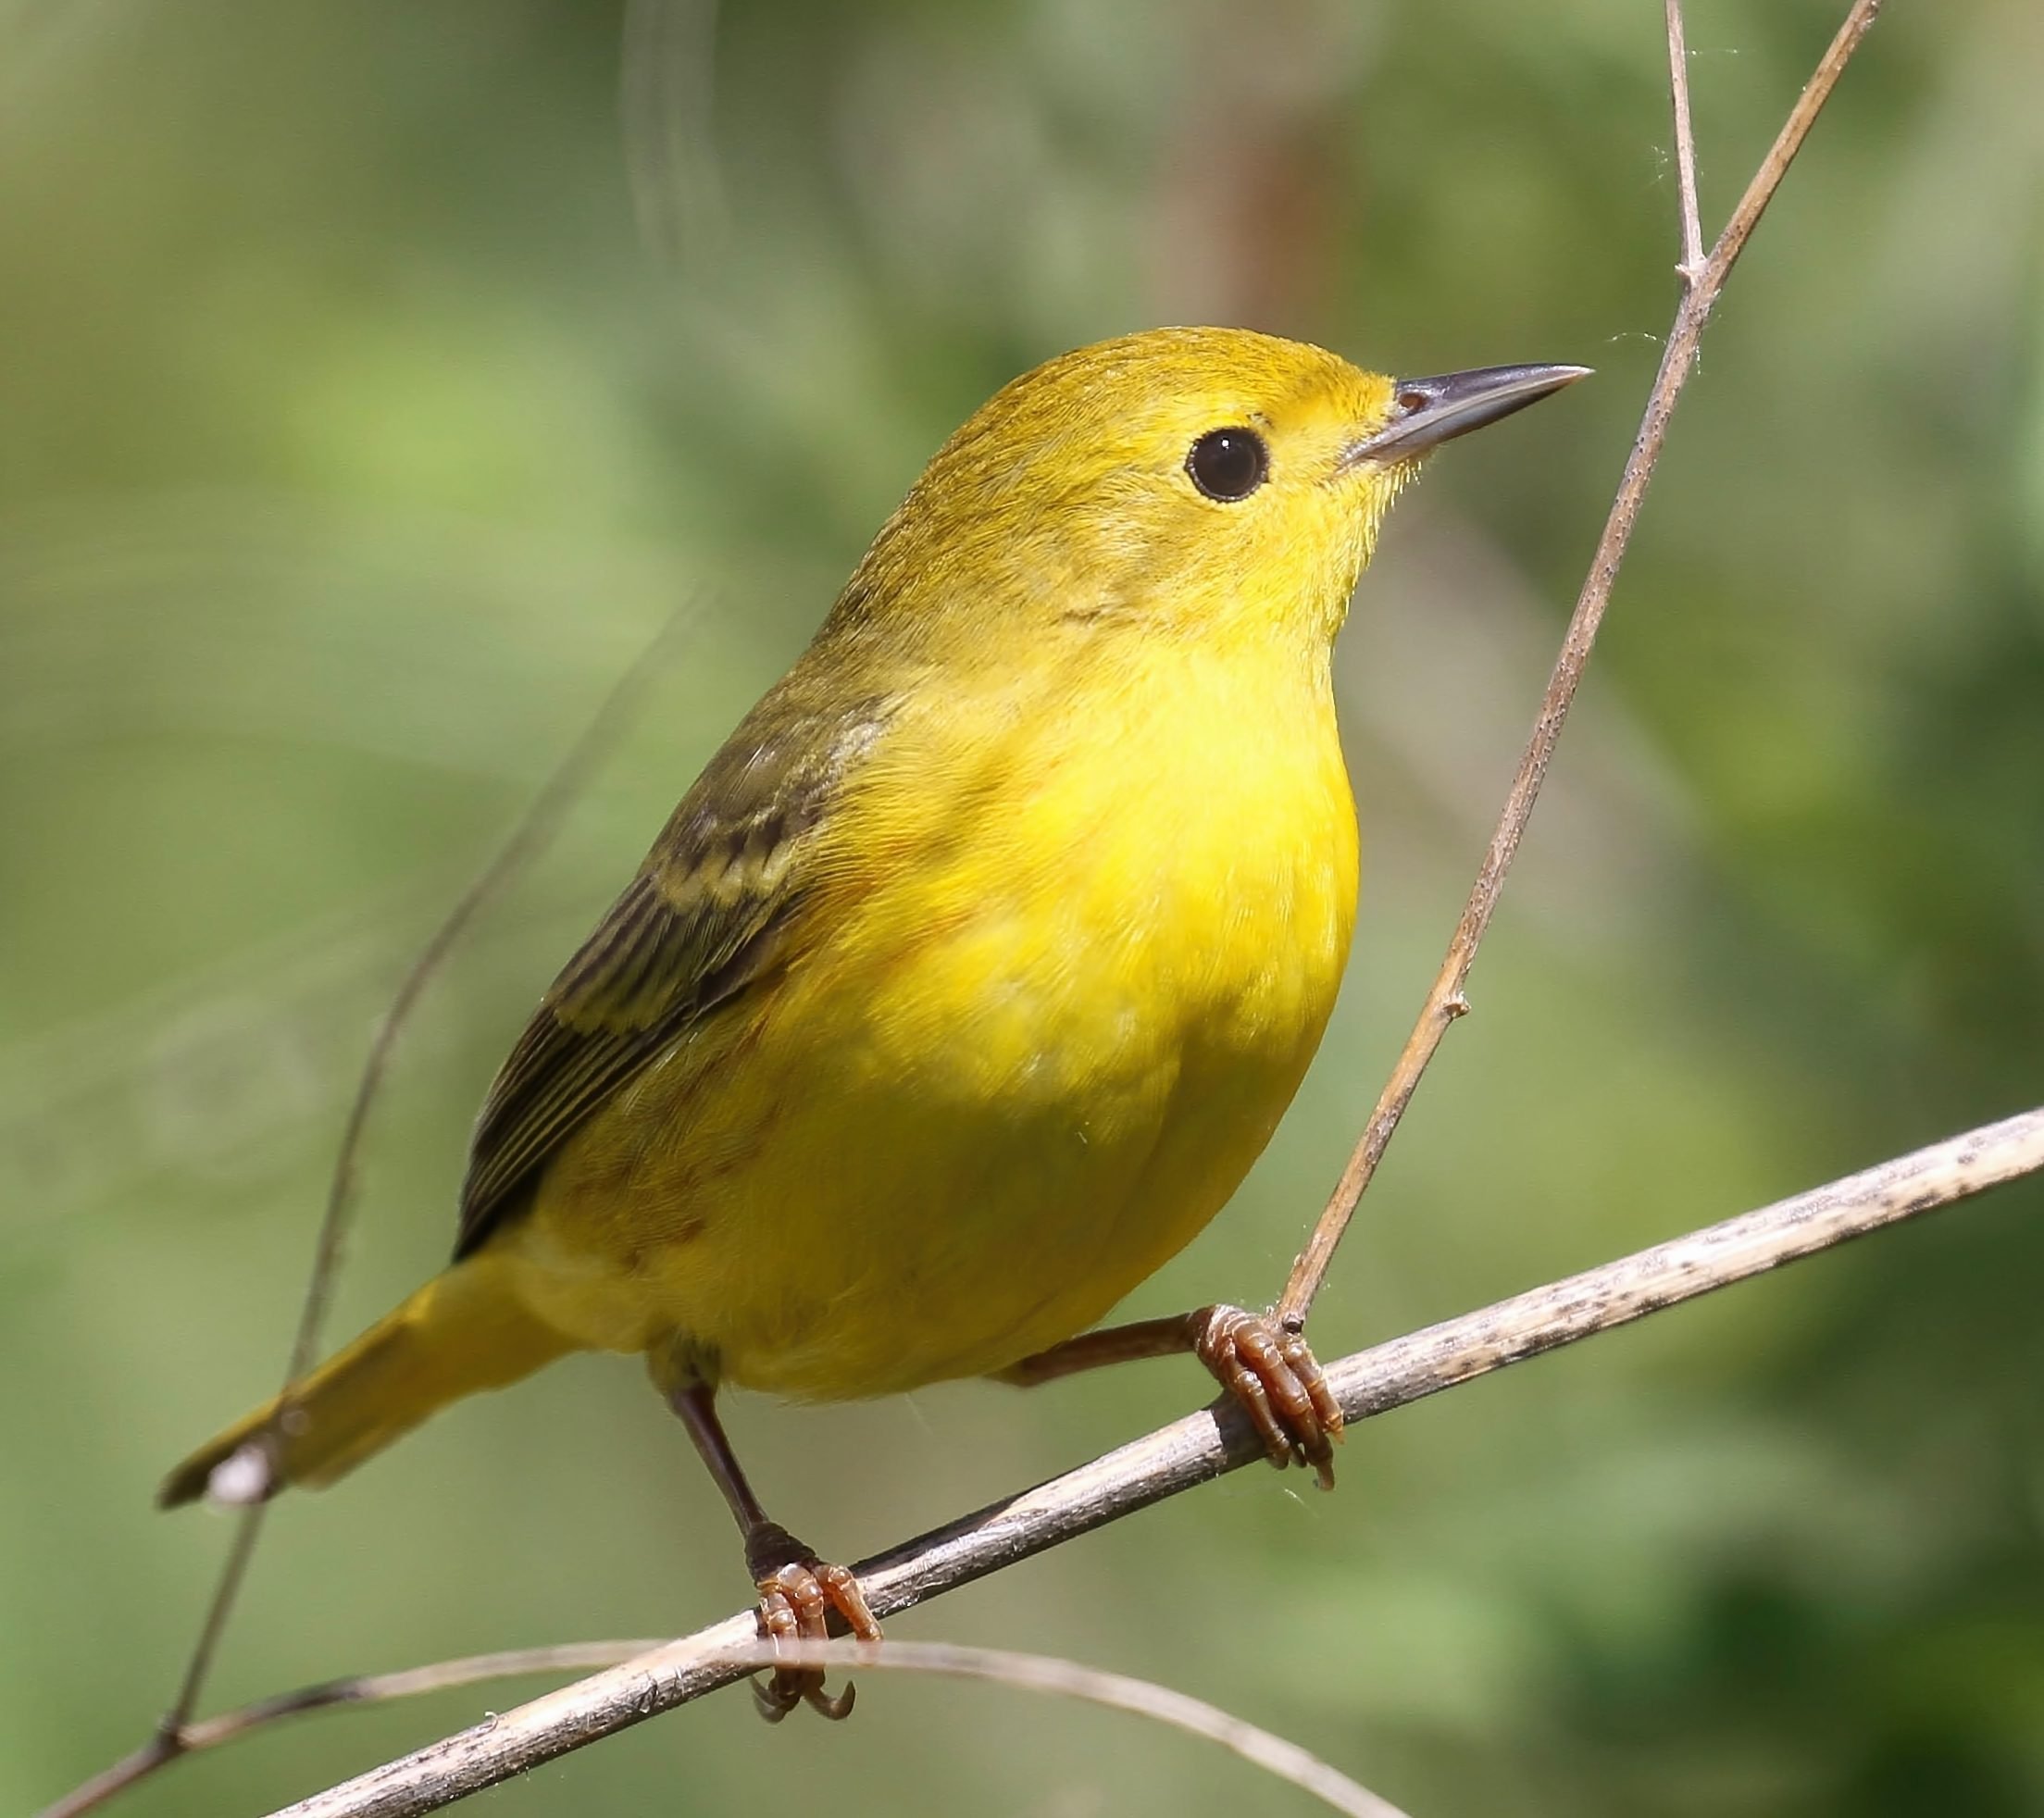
[(995, 1094)]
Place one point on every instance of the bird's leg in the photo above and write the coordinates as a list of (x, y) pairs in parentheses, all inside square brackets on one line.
[(1271, 1372), (798, 1593)]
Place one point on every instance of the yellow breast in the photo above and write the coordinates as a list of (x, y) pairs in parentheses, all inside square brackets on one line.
[(1033, 1053)]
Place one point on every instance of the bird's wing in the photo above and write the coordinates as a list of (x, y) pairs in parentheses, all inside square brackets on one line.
[(710, 913)]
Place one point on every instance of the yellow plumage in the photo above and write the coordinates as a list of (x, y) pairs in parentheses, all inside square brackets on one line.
[(1051, 1055), (967, 983)]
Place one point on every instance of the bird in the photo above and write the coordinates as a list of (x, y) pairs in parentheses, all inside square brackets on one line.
[(981, 962)]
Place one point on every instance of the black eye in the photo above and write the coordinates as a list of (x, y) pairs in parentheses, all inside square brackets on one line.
[(1228, 464)]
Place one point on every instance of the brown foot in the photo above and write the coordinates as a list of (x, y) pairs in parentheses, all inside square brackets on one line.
[(798, 1595), (1276, 1379)]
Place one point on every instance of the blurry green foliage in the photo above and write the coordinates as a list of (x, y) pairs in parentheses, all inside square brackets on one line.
[(376, 380)]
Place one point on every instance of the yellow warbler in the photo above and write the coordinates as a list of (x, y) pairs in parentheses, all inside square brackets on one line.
[(968, 979)]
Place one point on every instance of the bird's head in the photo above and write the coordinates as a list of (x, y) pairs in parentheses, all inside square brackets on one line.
[(1206, 481)]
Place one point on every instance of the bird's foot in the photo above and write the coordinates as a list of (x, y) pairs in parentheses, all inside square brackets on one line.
[(798, 1595), (1274, 1376)]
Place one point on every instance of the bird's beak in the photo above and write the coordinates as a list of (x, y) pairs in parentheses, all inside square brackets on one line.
[(1428, 411)]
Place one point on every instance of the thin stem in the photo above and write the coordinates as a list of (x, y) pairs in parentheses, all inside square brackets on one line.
[(1063, 1678), (329, 1694), (1204, 1446), (1029, 1672), (1858, 23), (153, 1755), (1447, 997), (410, 1682), (1685, 145)]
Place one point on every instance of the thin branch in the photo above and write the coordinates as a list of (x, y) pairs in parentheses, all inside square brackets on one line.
[(1030, 1671), (535, 828), (1204, 1446), (1447, 997), (1063, 1678), (411, 1682), (1788, 141), (156, 1754), (1685, 146), (333, 1694)]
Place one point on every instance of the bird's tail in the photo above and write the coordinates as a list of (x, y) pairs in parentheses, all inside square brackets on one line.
[(464, 1330)]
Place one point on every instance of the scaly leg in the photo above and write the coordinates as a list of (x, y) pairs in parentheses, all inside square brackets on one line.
[(798, 1593), (1272, 1373)]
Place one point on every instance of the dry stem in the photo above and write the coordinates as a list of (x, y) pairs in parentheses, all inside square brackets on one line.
[(1027, 1671), (1448, 999), (1691, 266)]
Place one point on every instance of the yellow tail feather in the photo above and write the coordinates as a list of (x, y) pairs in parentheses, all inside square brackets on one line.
[(464, 1330)]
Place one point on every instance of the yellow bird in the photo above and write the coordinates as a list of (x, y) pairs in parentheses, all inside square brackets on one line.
[(970, 976)]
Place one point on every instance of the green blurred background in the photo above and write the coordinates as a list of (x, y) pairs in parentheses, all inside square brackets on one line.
[(376, 380)]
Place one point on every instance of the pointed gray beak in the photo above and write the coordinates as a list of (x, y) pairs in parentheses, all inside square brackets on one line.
[(1429, 411)]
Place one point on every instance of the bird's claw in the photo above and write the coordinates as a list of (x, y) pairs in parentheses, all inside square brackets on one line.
[(1275, 1378), (796, 1601)]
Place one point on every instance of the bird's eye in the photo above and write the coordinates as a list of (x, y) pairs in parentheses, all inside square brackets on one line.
[(1228, 464)]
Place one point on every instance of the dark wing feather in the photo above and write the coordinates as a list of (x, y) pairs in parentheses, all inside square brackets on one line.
[(707, 914)]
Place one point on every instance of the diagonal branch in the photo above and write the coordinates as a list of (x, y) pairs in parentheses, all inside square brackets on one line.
[(1206, 1445), (1446, 1000)]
